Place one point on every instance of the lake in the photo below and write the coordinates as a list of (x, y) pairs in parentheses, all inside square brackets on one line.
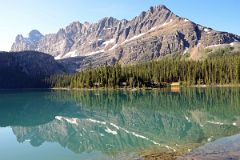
[(66, 125)]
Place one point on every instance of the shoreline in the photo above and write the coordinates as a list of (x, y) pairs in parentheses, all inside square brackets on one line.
[(148, 89), (129, 89), (216, 85), (163, 154)]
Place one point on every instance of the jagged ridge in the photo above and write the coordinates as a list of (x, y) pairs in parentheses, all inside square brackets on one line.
[(152, 34)]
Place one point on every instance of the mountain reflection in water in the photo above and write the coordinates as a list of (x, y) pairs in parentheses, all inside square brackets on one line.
[(111, 122)]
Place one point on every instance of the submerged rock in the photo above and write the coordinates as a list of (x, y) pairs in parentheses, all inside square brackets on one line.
[(222, 149)]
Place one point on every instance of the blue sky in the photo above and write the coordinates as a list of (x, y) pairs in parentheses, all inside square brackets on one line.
[(21, 16)]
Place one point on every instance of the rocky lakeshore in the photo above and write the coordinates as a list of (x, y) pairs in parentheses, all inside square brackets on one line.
[(227, 148)]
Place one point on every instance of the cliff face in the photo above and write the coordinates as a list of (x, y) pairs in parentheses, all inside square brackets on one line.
[(152, 34)]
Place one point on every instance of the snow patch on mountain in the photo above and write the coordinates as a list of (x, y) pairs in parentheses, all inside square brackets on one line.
[(109, 42)]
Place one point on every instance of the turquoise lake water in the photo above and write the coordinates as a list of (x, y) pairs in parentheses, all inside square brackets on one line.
[(65, 125)]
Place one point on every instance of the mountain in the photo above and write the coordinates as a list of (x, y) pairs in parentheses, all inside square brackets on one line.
[(27, 69), (151, 35), (28, 43)]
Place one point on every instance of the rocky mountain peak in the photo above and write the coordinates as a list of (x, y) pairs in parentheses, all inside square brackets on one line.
[(107, 22), (74, 28), (61, 33), (152, 34), (35, 35), (86, 23), (74, 25), (158, 8), (19, 38)]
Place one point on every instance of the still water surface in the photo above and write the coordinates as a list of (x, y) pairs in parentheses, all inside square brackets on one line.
[(63, 125)]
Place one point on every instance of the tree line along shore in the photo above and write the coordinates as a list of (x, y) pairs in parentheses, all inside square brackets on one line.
[(214, 70)]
